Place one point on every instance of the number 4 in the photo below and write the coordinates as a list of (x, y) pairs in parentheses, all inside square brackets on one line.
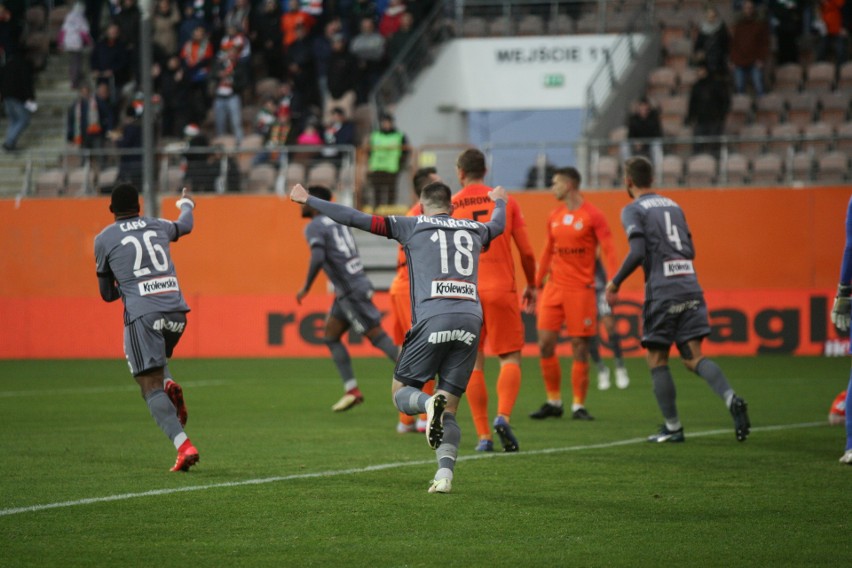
[(672, 232)]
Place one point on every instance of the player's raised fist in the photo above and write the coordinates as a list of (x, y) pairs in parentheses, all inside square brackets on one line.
[(185, 199), (497, 193), (298, 194)]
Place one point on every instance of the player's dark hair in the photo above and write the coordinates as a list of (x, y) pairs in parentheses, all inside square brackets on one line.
[(570, 173), (124, 199), (437, 195), (320, 192), (640, 170), (422, 178), (472, 163)]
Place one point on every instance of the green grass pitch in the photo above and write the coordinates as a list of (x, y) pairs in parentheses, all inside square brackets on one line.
[(283, 481)]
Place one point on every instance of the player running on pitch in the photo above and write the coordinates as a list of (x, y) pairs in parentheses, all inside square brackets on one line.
[(134, 264), (443, 256), (674, 310)]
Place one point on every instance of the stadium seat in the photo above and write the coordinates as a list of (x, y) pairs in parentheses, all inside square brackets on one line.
[(500, 26), (819, 77), (362, 116), (672, 112), (685, 80), (266, 88), (261, 179), (661, 82), (767, 169), (736, 169), (295, 174), (587, 24), (788, 78), (174, 177), (106, 179), (783, 138), (252, 144), (700, 170), (738, 114), (678, 52), (346, 102), (844, 79), (751, 140), (616, 137), (474, 27), (832, 168), (324, 173), (834, 106), (801, 109), (818, 137), (49, 183), (682, 143), (562, 24), (843, 143), (801, 167), (770, 108), (79, 181), (531, 25), (226, 141), (606, 172), (672, 170)]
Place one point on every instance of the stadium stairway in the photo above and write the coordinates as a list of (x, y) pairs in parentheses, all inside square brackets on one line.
[(46, 131)]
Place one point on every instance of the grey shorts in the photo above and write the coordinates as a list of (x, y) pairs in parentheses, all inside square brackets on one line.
[(150, 340), (674, 321), (358, 309), (443, 345), (604, 308)]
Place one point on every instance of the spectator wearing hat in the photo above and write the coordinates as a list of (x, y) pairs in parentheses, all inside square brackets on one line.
[(387, 148)]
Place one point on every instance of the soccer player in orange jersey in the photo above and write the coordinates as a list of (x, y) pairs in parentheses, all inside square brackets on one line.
[(575, 230), (400, 297), (502, 327)]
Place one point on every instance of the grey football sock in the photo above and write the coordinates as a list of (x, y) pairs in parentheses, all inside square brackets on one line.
[(410, 400), (664, 390), (164, 413), (449, 448), (383, 342), (615, 345), (594, 351), (340, 355), (712, 373)]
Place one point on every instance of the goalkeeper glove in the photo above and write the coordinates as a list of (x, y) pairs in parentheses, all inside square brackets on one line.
[(840, 312)]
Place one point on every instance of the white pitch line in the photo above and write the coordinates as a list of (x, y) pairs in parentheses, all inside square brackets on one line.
[(371, 468), (99, 390)]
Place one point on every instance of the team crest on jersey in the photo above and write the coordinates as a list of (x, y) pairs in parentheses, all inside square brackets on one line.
[(578, 226), (567, 219)]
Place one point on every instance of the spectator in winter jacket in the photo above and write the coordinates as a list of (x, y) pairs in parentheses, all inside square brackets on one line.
[(709, 102), (749, 49), (74, 37), (712, 43), (18, 91)]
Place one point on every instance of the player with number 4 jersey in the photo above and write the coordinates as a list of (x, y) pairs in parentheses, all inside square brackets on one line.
[(134, 264), (674, 309)]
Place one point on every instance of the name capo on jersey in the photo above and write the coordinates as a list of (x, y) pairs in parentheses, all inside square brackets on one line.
[(678, 267), (453, 289), (163, 285)]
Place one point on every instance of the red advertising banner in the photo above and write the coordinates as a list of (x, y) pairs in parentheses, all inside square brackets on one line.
[(743, 322)]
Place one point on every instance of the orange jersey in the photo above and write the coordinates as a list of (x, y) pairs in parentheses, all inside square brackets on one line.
[(496, 265), (571, 249)]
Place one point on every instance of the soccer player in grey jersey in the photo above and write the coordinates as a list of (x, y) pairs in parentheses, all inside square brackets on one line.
[(333, 250), (134, 264), (443, 258), (674, 310)]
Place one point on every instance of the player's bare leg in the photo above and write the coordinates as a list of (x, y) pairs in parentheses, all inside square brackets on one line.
[(551, 372), (165, 415)]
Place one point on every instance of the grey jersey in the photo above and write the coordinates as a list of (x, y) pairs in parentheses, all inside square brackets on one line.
[(443, 262), (342, 262), (135, 253), (669, 271)]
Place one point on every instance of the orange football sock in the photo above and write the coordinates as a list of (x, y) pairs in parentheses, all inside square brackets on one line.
[(477, 399), (406, 419), (428, 388), (508, 387), (551, 370), (580, 381)]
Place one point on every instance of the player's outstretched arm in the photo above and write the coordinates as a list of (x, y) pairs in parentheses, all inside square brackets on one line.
[(633, 261), (340, 213), (185, 221)]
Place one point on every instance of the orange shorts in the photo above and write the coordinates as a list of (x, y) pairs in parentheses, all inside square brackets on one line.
[(502, 327), (576, 308), (401, 310)]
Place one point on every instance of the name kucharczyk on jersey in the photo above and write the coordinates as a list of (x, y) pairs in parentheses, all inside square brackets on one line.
[(448, 222)]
